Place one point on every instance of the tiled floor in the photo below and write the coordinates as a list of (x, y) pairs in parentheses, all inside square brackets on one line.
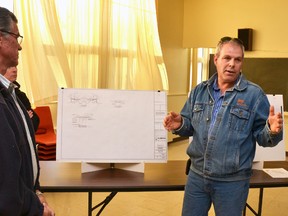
[(158, 203)]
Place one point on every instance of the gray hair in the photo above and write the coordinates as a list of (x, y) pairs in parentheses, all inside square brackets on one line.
[(225, 40), (6, 19)]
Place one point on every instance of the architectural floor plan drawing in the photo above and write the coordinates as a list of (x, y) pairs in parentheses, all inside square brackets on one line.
[(102, 125)]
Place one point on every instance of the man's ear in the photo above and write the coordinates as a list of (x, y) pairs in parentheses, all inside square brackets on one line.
[(215, 59)]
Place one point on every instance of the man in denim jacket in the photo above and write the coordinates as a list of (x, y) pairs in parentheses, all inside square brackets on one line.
[(226, 116)]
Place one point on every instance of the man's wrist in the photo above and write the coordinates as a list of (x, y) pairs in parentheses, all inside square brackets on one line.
[(179, 128), (270, 131), (38, 193)]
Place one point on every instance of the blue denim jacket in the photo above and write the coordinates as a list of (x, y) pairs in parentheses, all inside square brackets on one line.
[(227, 153)]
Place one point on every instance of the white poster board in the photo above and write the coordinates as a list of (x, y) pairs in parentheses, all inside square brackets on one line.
[(111, 126), (276, 153)]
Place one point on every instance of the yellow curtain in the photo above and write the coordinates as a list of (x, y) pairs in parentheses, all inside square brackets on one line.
[(88, 44)]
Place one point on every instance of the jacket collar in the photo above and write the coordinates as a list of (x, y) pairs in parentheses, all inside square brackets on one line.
[(240, 85)]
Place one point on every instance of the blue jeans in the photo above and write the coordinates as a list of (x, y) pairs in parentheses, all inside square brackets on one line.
[(228, 198)]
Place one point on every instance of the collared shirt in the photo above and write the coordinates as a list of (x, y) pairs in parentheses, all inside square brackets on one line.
[(218, 99), (4, 81), (7, 84)]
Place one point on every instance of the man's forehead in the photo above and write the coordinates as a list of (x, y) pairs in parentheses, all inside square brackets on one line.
[(231, 49), (14, 27)]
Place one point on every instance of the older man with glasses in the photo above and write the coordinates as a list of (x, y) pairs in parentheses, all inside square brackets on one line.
[(226, 116), (19, 166), (18, 37)]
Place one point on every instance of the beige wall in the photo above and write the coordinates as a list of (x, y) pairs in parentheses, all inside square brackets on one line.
[(207, 21), (176, 58), (196, 23)]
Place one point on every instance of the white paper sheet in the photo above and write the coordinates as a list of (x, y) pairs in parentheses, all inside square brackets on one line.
[(277, 172)]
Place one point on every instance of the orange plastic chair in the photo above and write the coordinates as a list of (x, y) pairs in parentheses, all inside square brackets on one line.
[(45, 135)]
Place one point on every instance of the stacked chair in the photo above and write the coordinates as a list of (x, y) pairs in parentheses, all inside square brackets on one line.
[(45, 135)]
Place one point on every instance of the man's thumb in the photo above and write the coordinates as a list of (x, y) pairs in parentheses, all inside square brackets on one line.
[(272, 111)]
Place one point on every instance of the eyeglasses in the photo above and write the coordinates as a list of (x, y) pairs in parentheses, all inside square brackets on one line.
[(18, 37)]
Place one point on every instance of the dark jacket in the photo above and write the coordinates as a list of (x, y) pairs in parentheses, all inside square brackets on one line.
[(17, 188), (25, 101)]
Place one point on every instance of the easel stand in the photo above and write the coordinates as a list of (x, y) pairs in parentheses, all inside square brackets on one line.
[(258, 165), (92, 167)]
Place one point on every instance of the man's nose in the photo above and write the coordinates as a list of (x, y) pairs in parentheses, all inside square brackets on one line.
[(232, 62), (19, 47)]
